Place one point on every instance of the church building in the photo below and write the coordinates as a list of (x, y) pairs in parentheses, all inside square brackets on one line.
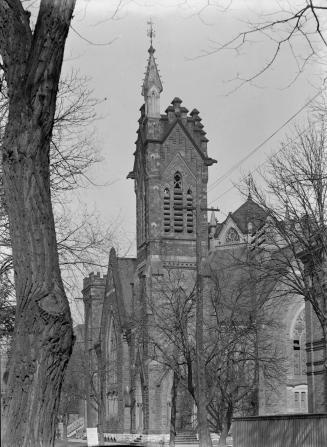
[(170, 176)]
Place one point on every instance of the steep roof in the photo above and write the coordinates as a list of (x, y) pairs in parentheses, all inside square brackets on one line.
[(152, 76), (126, 270), (249, 212)]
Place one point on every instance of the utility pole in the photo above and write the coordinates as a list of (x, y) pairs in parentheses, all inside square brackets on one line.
[(203, 430)]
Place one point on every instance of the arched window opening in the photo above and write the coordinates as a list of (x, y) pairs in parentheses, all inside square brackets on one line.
[(178, 203), (189, 212), (232, 235), (111, 372), (112, 361), (166, 210)]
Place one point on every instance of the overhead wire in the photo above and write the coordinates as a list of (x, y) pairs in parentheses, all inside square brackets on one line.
[(261, 164), (259, 146)]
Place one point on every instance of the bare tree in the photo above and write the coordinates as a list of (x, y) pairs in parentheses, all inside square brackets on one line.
[(240, 346), (83, 240), (296, 27), (31, 61), (171, 335), (292, 190)]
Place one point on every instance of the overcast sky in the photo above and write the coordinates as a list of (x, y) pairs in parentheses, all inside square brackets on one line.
[(235, 122)]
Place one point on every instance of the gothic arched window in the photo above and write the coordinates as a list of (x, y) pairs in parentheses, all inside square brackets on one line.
[(166, 210), (178, 203), (232, 235), (189, 212), (112, 355)]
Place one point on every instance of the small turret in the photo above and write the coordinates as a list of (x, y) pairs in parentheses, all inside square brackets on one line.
[(212, 224)]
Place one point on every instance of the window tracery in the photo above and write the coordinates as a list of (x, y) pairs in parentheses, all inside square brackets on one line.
[(299, 340), (232, 235), (178, 207)]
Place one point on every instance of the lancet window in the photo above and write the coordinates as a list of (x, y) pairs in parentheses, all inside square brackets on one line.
[(178, 207), (189, 212), (112, 358), (166, 210), (178, 204), (299, 353)]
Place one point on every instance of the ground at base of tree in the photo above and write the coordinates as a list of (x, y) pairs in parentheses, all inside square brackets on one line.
[(80, 443)]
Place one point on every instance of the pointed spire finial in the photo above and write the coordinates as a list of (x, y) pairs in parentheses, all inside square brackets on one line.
[(151, 33), (152, 86)]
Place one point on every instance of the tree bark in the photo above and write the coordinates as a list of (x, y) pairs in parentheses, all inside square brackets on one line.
[(43, 331)]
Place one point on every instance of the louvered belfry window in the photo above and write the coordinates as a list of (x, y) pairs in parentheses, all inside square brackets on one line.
[(166, 205), (189, 212), (178, 203)]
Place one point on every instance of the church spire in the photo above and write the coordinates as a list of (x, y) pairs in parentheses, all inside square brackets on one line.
[(152, 86)]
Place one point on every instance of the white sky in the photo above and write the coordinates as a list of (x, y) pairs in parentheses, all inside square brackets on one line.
[(235, 123)]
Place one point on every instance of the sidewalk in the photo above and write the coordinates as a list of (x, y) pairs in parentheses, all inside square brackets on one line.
[(71, 442)]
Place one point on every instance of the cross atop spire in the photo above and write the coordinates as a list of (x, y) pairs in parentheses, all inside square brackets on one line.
[(151, 31)]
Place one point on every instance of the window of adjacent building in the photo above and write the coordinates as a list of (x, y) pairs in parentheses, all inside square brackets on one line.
[(300, 401), (299, 352), (297, 400), (303, 400)]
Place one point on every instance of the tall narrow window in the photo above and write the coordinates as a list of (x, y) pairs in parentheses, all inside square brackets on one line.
[(299, 352), (178, 203), (112, 360), (166, 210), (189, 212)]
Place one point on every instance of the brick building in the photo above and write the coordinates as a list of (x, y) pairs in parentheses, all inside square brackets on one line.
[(170, 177)]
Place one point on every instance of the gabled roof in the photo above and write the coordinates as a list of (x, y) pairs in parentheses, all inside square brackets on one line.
[(249, 212), (208, 161), (118, 293)]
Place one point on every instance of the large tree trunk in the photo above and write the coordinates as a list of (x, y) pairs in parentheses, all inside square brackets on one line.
[(43, 333)]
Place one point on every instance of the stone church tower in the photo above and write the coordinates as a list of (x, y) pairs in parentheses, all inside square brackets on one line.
[(170, 175)]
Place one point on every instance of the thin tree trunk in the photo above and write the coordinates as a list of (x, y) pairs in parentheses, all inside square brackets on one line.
[(324, 331), (223, 436), (43, 335), (65, 427), (226, 424), (173, 410)]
